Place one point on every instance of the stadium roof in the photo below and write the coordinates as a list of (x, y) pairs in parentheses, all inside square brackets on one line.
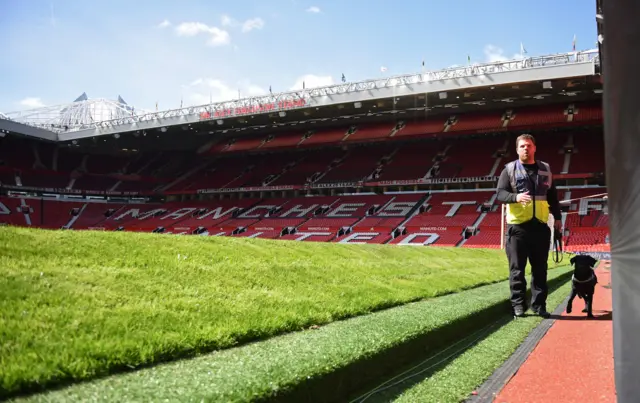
[(86, 118), (82, 112)]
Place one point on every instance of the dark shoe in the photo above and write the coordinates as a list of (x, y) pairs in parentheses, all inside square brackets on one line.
[(542, 312), (518, 311)]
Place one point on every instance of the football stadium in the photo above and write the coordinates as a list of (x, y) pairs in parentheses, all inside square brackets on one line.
[(331, 164), (336, 243)]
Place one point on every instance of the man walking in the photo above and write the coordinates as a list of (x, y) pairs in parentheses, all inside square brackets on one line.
[(526, 186)]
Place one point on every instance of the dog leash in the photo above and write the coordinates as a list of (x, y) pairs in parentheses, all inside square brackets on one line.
[(557, 246)]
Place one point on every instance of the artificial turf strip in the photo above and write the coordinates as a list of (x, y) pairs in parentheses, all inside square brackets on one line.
[(75, 305), (459, 378), (284, 368)]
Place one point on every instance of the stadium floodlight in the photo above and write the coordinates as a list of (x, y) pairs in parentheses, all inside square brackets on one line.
[(357, 105), (282, 114), (442, 95), (547, 85)]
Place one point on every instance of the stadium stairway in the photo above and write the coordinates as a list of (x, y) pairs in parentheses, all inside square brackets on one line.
[(499, 156), (401, 230)]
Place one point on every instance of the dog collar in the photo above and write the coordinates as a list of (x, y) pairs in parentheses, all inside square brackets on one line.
[(582, 281)]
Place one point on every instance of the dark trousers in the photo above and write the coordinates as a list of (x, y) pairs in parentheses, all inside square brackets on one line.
[(528, 241)]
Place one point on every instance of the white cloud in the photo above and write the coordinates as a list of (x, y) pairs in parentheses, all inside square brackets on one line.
[(32, 102), (164, 24), (228, 21), (251, 24), (312, 81), (202, 90), (246, 26), (495, 54), (313, 9), (216, 35)]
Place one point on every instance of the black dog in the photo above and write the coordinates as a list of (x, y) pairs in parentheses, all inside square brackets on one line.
[(583, 283)]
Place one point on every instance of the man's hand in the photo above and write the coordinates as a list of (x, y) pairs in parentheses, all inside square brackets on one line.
[(523, 197), (557, 224)]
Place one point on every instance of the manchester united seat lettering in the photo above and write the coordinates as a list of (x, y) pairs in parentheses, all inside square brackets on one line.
[(305, 235), (455, 206), (179, 213), (399, 209), (587, 205), (345, 210), (217, 213), (299, 211), (135, 213), (358, 237), (430, 238), (251, 213), (4, 210)]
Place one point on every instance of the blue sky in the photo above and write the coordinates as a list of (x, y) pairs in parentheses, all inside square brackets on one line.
[(152, 51)]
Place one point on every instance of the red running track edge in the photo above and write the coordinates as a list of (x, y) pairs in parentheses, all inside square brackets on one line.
[(573, 363)]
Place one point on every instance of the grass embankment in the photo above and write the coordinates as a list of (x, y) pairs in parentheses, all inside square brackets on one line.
[(323, 365), (75, 305)]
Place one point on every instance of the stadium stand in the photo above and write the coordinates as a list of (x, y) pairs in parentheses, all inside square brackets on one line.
[(587, 156), (358, 165), (367, 159), (412, 161)]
